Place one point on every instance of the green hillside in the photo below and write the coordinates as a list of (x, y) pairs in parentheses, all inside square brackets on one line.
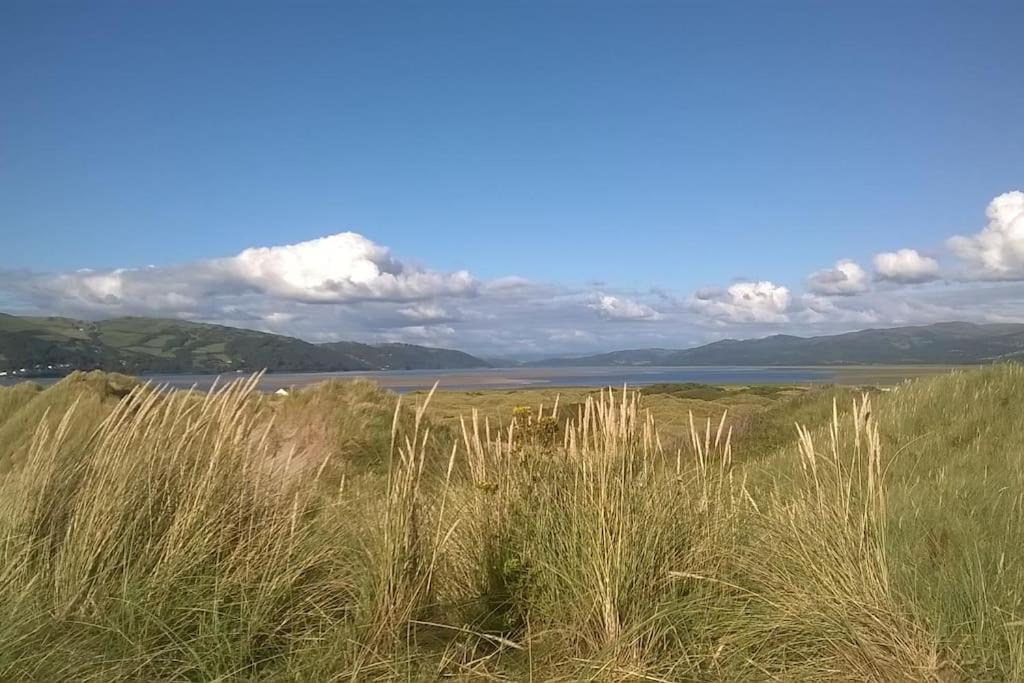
[(407, 356), (151, 345)]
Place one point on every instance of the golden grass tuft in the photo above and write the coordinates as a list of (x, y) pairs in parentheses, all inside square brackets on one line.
[(161, 535)]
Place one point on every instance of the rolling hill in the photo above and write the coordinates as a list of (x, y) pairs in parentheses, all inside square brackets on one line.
[(407, 356), (942, 344), (54, 345)]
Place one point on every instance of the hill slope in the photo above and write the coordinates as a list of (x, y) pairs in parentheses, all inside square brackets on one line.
[(137, 345), (407, 356), (942, 343)]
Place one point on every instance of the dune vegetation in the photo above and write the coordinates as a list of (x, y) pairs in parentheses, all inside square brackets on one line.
[(341, 534)]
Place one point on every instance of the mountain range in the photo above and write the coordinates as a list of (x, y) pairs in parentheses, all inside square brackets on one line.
[(54, 345), (940, 344)]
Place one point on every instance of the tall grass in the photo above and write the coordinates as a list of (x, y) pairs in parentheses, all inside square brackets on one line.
[(817, 570), (172, 536), (165, 549), (24, 406), (573, 546)]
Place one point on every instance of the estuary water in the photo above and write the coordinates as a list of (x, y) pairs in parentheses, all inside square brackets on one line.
[(512, 378)]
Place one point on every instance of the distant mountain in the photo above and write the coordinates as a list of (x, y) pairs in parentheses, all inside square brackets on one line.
[(626, 357), (151, 345), (941, 344), (408, 356)]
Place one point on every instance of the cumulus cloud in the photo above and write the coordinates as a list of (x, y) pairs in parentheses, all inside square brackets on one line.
[(997, 252), (620, 308), (744, 302), (337, 269), (846, 278), (905, 266)]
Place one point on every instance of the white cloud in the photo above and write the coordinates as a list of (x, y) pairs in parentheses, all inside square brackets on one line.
[(337, 269), (429, 335), (815, 310), (278, 318), (572, 337), (744, 302), (997, 252), (905, 266), (425, 313), (509, 283), (620, 308), (846, 278)]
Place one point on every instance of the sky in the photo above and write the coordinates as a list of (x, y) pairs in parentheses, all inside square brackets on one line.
[(514, 178)]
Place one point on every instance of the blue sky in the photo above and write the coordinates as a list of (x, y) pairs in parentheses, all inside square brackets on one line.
[(654, 154)]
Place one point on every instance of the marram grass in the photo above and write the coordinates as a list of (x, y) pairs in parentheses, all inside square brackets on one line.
[(148, 534)]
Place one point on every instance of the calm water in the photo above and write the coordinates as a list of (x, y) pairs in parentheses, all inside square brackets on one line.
[(512, 378)]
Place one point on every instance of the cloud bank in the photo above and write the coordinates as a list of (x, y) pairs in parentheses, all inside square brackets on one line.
[(346, 286), (337, 269)]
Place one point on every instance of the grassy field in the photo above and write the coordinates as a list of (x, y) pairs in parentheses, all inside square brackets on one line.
[(750, 410), (680, 533)]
